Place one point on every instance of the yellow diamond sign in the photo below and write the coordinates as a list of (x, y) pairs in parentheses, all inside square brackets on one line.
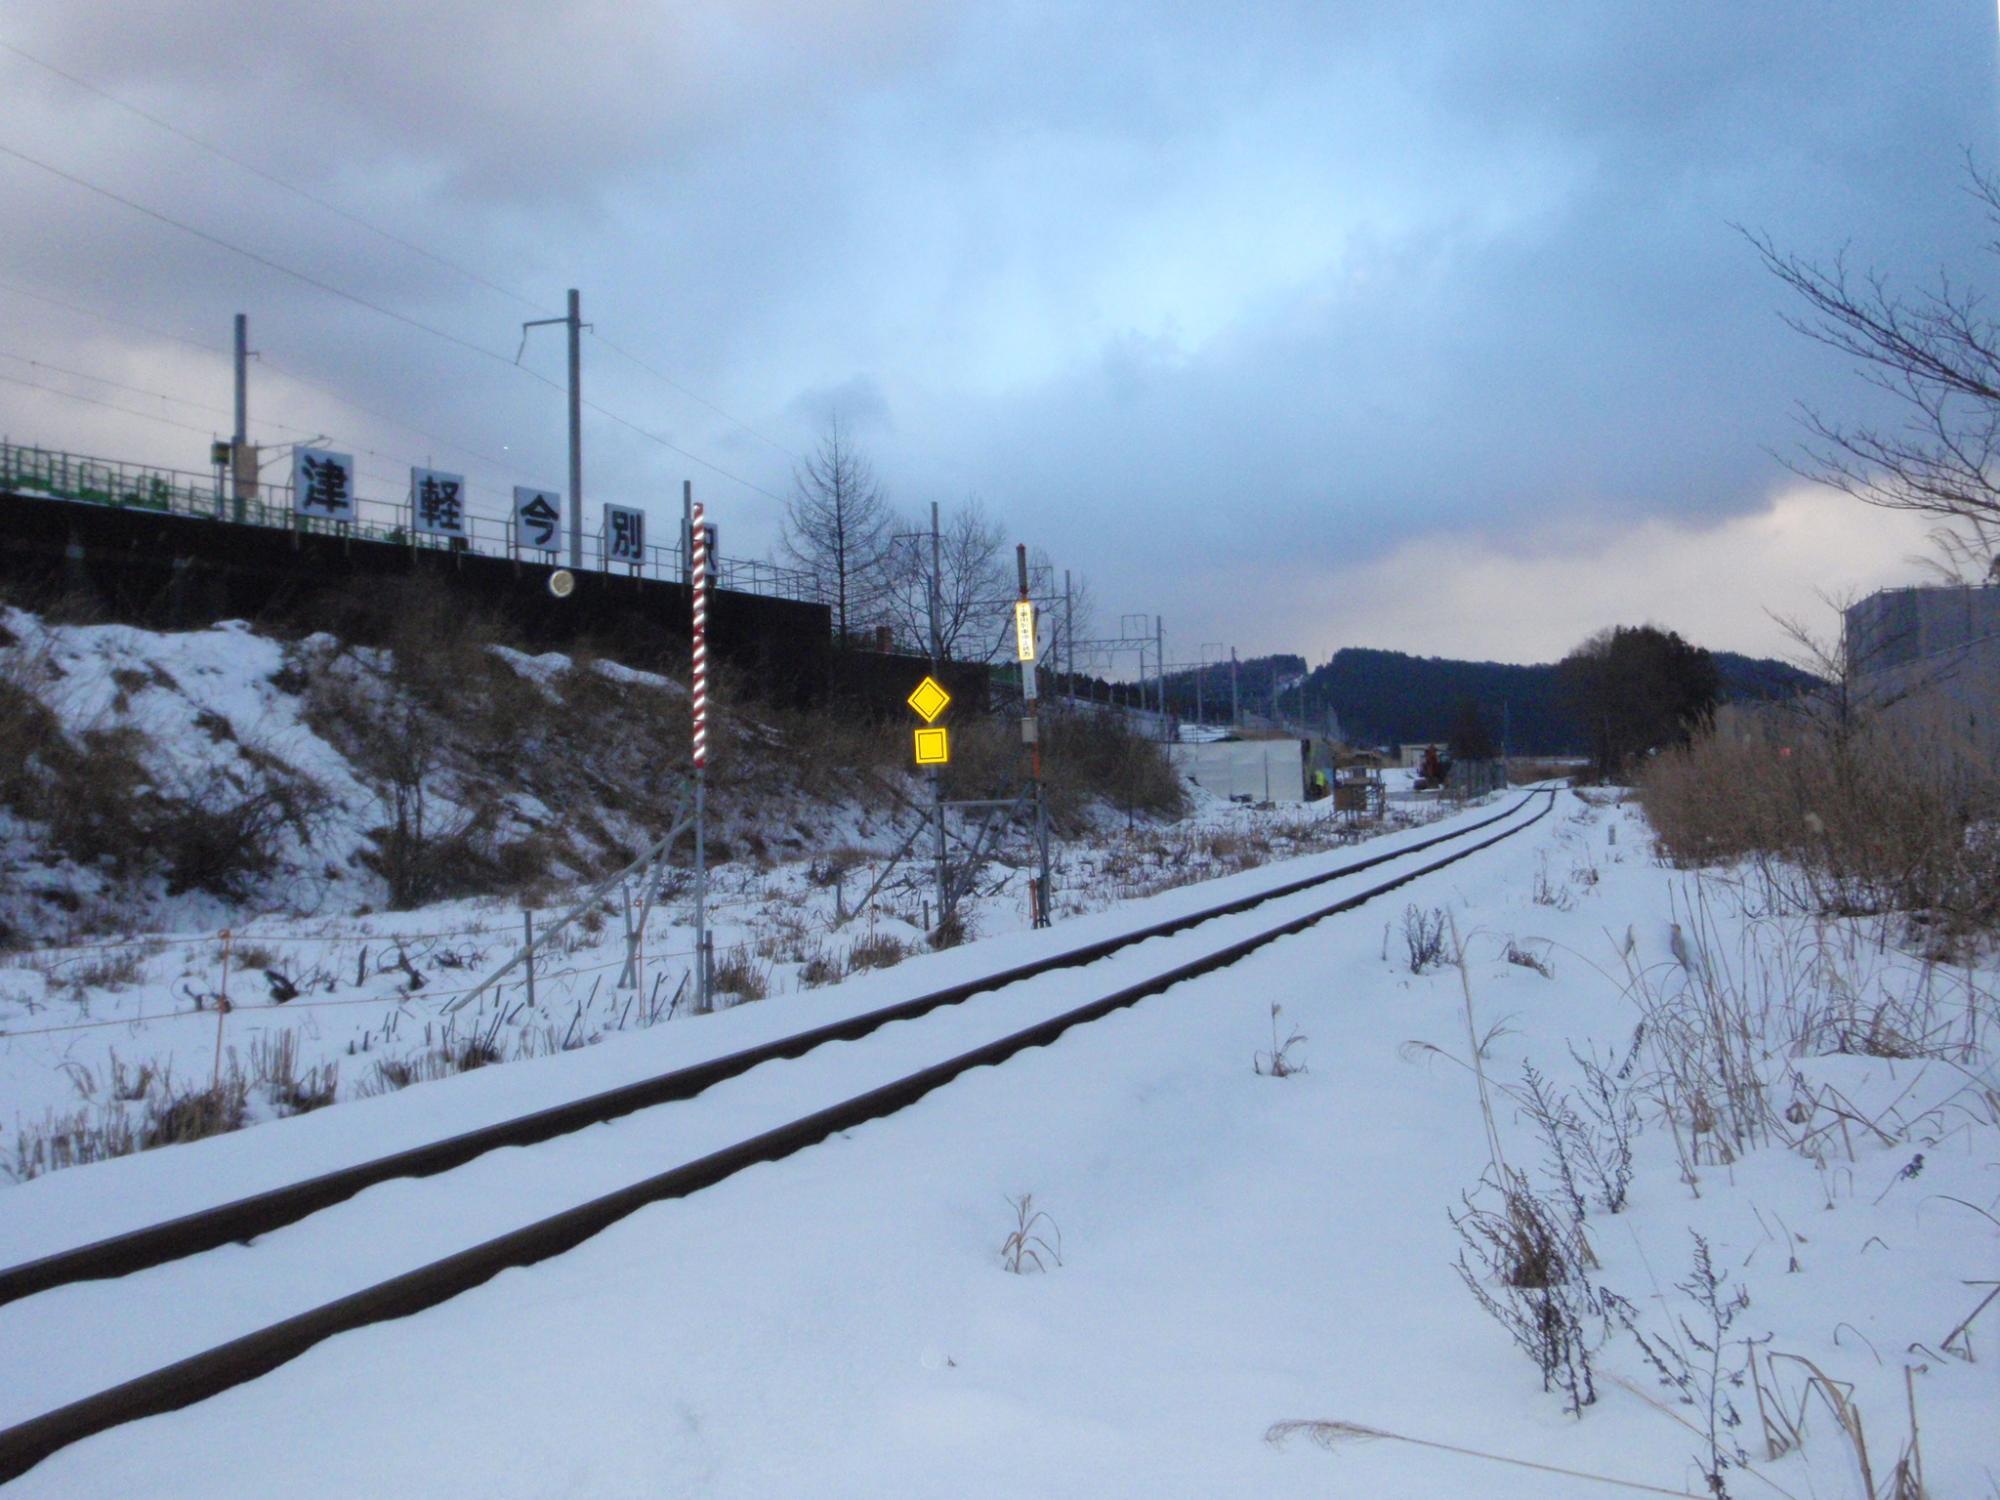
[(929, 700), (933, 747)]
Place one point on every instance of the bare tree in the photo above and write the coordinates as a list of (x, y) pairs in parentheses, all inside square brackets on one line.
[(837, 529), (971, 583), (1938, 353)]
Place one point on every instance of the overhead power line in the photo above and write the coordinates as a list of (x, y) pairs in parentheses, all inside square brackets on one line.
[(665, 378), (376, 307), (234, 160), (693, 458), (158, 333), (499, 464), (116, 385), (276, 181), (264, 260), (144, 416), (215, 411)]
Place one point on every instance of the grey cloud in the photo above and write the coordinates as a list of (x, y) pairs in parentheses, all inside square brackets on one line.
[(1335, 275)]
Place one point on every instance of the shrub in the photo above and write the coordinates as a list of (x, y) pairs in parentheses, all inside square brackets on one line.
[(1089, 755), (1424, 938), (1842, 819), (1530, 1276)]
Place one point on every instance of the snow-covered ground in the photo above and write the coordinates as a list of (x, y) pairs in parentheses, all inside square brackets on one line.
[(1223, 1250), (105, 1038)]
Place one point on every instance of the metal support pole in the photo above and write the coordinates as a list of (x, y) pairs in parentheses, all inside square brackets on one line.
[(239, 440), (1031, 725), (937, 654), (628, 978), (1235, 713), (1160, 661), (575, 432), (687, 531), (1069, 638), (528, 945)]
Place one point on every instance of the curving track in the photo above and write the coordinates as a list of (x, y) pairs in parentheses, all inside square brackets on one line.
[(335, 1251)]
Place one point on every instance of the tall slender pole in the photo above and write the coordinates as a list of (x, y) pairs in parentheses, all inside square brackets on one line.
[(1069, 637), (1160, 661), (1031, 730), (239, 440), (1235, 713), (698, 695), (937, 657), (687, 531), (576, 432)]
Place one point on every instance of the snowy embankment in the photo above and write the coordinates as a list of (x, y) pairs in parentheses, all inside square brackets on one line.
[(170, 788), (1813, 1125)]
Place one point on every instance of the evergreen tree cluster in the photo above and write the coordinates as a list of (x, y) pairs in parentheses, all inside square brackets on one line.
[(1391, 697)]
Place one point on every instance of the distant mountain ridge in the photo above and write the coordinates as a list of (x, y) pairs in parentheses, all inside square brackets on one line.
[(1391, 697)]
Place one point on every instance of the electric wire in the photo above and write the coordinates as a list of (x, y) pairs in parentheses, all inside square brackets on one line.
[(666, 379), (387, 312), (41, 364), (500, 465), (309, 433), (160, 333), (395, 239), (269, 264), (276, 181), (144, 416)]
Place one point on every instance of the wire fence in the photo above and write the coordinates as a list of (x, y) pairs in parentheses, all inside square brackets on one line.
[(57, 475)]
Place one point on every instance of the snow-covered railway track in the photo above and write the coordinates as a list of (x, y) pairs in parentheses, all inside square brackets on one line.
[(79, 1320)]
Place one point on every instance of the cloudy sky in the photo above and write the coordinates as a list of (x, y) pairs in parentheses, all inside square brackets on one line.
[(1357, 322)]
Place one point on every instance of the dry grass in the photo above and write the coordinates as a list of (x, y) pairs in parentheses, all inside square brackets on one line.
[(139, 1108), (1875, 818), (1026, 1245), (738, 972), (1279, 1062), (876, 951)]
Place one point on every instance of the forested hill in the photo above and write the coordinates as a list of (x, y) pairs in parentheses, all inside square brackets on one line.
[(1387, 697)]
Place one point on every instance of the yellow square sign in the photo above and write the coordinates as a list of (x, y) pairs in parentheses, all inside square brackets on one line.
[(929, 700), (933, 747)]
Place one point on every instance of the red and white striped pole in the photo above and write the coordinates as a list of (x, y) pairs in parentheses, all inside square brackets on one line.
[(698, 696), (700, 685)]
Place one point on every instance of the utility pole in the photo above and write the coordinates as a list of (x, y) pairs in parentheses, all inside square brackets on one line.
[(576, 325), (575, 433), (1031, 732), (937, 656), (239, 440), (1160, 661), (1069, 638), (1235, 715)]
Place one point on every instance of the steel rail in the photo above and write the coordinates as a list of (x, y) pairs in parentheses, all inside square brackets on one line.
[(259, 1213), (243, 1359)]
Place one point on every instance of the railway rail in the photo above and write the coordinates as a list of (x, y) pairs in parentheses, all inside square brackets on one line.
[(193, 1238)]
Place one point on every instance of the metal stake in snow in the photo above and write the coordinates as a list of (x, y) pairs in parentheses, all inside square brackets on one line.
[(698, 696)]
